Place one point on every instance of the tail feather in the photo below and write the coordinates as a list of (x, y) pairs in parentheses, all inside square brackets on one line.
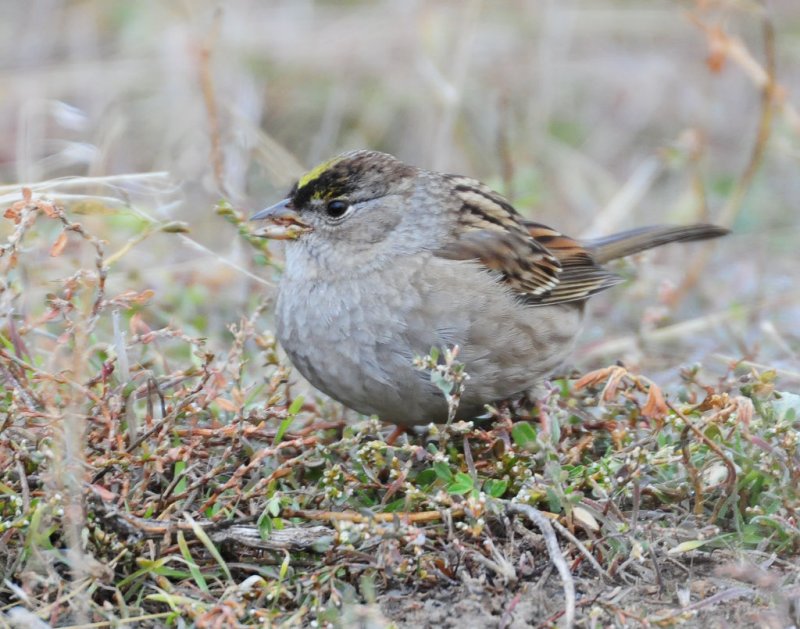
[(635, 240)]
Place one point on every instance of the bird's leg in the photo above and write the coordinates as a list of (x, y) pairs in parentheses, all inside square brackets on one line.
[(398, 432)]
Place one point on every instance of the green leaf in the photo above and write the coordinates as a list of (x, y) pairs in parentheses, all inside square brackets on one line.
[(395, 505), (193, 567), (365, 499), (462, 484), (495, 488), (274, 506), (786, 407), (147, 567), (685, 547), (554, 501), (441, 382), (38, 534), (179, 469), (284, 567), (426, 477), (523, 434), (295, 407), (282, 428), (443, 471), (264, 524), (210, 547), (368, 588)]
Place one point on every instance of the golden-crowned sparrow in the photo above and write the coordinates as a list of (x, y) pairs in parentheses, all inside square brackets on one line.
[(385, 261)]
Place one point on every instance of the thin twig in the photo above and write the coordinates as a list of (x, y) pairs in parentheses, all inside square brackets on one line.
[(565, 532), (730, 481), (549, 534), (730, 211), (209, 98), (358, 518)]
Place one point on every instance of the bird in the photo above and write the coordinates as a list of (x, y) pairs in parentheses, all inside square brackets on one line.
[(385, 261)]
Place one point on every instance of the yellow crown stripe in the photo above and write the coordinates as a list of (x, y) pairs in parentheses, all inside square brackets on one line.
[(316, 172)]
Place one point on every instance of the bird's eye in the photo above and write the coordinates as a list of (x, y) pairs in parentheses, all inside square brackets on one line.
[(337, 208)]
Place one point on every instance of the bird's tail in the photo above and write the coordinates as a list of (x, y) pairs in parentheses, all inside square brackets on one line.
[(635, 240)]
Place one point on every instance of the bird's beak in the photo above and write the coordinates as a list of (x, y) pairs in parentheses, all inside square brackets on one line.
[(285, 223)]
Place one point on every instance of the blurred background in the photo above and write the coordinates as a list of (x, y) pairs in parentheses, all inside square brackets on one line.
[(591, 116)]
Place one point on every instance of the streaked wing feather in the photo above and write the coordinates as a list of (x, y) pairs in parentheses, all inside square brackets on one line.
[(578, 283), (490, 230), (542, 265), (526, 266), (581, 276)]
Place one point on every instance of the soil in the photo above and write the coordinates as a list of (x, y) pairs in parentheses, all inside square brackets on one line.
[(694, 594)]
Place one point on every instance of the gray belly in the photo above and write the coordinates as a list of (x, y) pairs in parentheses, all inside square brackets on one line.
[(356, 340)]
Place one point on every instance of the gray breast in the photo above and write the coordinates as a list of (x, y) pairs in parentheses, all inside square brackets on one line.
[(354, 338)]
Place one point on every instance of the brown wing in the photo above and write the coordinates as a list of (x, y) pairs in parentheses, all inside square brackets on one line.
[(581, 276), (542, 265), (490, 230)]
